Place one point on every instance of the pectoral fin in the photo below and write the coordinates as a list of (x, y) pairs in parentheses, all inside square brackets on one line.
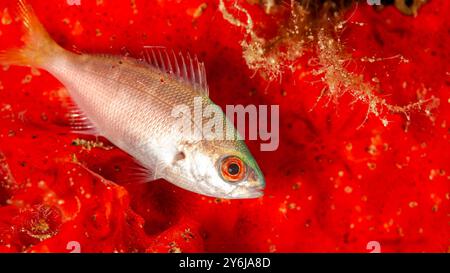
[(137, 173)]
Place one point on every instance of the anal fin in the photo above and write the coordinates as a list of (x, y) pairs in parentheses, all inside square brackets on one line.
[(79, 123)]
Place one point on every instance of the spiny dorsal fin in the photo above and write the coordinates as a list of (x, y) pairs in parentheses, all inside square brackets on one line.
[(184, 68)]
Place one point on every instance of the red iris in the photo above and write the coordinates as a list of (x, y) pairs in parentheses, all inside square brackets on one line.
[(232, 169)]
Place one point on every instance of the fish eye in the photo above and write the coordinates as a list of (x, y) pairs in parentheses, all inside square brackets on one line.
[(232, 169)]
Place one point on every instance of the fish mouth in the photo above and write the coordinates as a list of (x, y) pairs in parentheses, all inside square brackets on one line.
[(246, 192), (255, 193)]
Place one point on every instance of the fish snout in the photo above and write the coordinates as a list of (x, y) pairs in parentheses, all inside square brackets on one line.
[(255, 181), (252, 188), (244, 192)]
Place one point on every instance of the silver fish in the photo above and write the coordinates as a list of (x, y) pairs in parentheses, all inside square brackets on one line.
[(130, 103)]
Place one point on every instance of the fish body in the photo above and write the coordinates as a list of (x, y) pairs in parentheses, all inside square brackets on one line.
[(131, 102)]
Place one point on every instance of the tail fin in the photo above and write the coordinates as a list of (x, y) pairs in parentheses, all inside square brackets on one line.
[(38, 43)]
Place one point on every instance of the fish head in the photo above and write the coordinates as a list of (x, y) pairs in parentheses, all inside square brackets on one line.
[(221, 169)]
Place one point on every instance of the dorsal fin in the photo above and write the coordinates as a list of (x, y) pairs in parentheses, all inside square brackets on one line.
[(188, 69)]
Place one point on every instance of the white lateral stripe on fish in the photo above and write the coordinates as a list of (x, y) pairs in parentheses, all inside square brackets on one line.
[(130, 102)]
